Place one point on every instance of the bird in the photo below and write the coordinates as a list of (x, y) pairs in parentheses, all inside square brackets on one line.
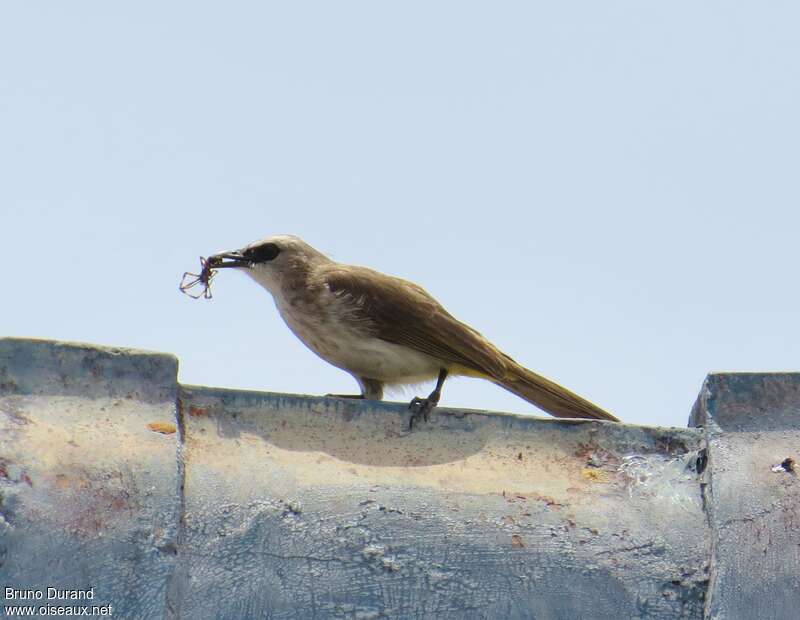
[(386, 331)]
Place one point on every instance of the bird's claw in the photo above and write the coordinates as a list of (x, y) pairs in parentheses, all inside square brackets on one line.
[(420, 408)]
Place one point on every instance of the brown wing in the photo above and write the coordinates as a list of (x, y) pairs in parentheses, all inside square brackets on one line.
[(403, 313)]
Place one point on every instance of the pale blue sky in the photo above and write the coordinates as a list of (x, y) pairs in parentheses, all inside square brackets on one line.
[(609, 191)]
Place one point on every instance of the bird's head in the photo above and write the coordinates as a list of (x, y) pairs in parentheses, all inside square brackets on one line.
[(274, 262)]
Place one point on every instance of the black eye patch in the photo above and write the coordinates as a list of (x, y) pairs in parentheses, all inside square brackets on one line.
[(262, 253)]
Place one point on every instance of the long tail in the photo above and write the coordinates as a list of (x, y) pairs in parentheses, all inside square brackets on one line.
[(550, 396)]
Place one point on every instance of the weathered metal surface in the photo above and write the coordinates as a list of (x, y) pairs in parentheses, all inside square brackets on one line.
[(89, 495), (753, 424), (324, 508), (189, 502)]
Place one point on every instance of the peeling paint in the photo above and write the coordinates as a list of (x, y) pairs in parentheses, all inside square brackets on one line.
[(165, 428), (189, 502)]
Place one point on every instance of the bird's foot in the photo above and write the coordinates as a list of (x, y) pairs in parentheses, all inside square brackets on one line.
[(420, 409)]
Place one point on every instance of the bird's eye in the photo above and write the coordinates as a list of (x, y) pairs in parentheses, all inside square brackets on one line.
[(262, 253)]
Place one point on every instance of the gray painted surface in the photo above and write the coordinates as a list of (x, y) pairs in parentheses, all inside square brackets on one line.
[(89, 495), (752, 423), (192, 502), (312, 507)]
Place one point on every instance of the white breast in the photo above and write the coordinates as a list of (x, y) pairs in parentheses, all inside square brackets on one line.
[(321, 328)]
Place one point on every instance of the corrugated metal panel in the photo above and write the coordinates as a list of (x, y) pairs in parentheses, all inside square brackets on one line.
[(193, 502)]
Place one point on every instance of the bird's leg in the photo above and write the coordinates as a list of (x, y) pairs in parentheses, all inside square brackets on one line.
[(371, 389), (422, 407)]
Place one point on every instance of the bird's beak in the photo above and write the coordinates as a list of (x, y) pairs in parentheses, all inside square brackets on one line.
[(228, 259)]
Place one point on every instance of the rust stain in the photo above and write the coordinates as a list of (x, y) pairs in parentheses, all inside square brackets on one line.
[(596, 456), (549, 501), (93, 501), (196, 411), (517, 542), (508, 520), (165, 428), (13, 473)]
